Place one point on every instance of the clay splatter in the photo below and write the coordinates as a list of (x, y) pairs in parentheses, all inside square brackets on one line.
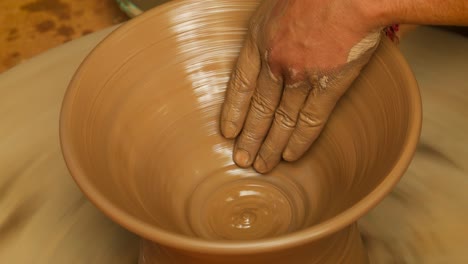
[(78, 13), (12, 34), (54, 7), (65, 31), (15, 54), (45, 26)]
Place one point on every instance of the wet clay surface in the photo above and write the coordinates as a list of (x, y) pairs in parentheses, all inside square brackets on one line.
[(46, 215), (140, 134)]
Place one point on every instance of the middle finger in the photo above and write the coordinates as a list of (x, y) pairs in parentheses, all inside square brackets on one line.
[(262, 108)]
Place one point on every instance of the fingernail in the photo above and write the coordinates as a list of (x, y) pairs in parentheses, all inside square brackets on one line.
[(288, 155), (260, 165), (229, 129), (242, 158)]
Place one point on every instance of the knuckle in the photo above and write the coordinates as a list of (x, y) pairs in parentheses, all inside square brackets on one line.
[(295, 74), (310, 120), (300, 139), (267, 150), (250, 135), (273, 67), (262, 106), (292, 69), (284, 120), (273, 55), (239, 82)]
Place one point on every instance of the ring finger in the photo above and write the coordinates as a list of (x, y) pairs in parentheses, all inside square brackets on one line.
[(283, 125)]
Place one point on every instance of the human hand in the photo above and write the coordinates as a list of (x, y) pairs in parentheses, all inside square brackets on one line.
[(298, 59)]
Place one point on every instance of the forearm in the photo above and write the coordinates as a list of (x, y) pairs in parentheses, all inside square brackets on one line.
[(421, 12)]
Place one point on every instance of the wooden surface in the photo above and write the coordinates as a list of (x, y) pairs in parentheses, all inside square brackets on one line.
[(29, 27), (44, 218)]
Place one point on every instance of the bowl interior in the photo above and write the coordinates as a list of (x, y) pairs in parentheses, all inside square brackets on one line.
[(140, 133)]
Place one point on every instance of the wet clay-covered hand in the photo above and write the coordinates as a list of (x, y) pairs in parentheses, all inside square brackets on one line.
[(298, 59)]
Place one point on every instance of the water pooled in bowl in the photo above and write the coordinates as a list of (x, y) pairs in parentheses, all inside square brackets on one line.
[(245, 208)]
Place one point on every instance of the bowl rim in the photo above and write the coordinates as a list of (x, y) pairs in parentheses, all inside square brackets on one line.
[(186, 243)]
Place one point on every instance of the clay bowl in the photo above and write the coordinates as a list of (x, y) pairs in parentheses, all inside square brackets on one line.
[(140, 135)]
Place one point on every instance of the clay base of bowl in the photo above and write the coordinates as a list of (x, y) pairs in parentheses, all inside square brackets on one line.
[(343, 247)]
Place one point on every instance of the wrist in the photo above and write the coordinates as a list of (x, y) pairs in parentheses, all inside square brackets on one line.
[(378, 13)]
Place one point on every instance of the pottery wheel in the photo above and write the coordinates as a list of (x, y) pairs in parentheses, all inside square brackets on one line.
[(46, 219)]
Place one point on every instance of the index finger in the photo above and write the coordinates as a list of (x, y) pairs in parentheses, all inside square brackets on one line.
[(240, 89)]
